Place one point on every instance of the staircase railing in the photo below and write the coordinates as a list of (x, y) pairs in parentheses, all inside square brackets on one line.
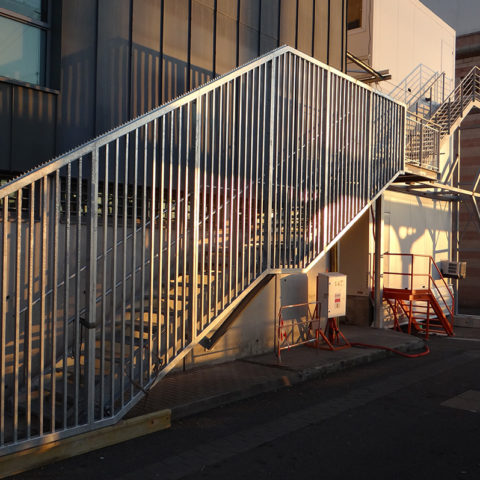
[(458, 103), (412, 83), (121, 255), (424, 136), (426, 101), (422, 145), (417, 274)]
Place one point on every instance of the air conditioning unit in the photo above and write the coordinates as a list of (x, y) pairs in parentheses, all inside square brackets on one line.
[(454, 269)]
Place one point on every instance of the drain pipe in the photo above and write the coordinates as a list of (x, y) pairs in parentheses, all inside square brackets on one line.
[(379, 262)]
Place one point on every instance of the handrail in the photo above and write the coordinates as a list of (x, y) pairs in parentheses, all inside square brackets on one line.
[(431, 280), (459, 100)]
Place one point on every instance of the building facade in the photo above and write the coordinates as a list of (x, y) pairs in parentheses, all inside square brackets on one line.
[(100, 63)]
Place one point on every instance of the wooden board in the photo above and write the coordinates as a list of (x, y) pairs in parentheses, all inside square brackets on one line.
[(86, 442)]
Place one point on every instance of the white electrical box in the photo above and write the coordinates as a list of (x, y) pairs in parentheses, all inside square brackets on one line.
[(332, 293)]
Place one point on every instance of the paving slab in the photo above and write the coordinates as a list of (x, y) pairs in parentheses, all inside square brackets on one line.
[(204, 388)]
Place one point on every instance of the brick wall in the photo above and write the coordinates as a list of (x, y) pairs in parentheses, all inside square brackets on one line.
[(468, 55)]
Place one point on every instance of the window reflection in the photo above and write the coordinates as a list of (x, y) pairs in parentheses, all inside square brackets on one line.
[(21, 51), (34, 9)]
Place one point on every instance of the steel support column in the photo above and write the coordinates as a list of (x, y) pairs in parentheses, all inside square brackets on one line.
[(379, 262)]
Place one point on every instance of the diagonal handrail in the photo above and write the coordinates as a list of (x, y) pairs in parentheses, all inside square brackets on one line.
[(458, 102), (425, 136)]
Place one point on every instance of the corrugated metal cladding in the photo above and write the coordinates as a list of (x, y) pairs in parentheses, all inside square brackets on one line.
[(120, 58)]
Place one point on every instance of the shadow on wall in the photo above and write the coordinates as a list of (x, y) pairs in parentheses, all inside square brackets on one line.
[(407, 238), (123, 88)]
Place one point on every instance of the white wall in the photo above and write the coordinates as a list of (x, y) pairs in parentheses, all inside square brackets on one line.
[(462, 15), (414, 225), (253, 332), (405, 34)]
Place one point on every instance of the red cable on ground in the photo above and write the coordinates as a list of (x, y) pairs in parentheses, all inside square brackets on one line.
[(398, 352)]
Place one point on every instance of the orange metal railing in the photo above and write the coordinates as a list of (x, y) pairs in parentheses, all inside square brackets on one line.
[(431, 285)]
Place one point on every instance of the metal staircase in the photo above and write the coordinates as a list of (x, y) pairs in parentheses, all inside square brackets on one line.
[(418, 293), (458, 104), (120, 256), (426, 134)]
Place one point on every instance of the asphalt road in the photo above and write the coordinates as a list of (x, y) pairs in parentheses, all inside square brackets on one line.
[(380, 421)]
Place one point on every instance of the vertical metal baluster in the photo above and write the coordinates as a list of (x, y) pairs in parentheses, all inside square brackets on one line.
[(133, 311), (66, 301), (169, 237), (43, 294), (281, 213), (186, 196), (347, 179), (361, 147), (301, 183), (239, 157), (104, 283), (327, 117), (263, 212), (343, 144), (250, 178), (211, 127), (141, 354), (293, 167), (332, 199), (369, 102), (3, 330), (18, 296), (319, 90), (28, 333), (225, 198), (195, 213), (231, 231), (339, 144), (365, 130), (319, 87), (152, 256), (336, 154), (204, 173), (312, 217), (308, 198), (256, 231), (271, 160), (391, 139), (382, 146), (280, 165), (357, 138), (349, 157), (288, 157), (161, 296), (113, 366), (90, 350), (177, 230), (217, 215), (53, 392), (273, 222), (124, 270), (244, 162)]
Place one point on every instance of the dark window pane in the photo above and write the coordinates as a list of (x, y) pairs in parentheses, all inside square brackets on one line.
[(29, 8), (21, 51), (354, 14)]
